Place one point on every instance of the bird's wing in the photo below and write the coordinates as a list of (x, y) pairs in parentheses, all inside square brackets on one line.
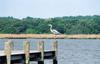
[(55, 31)]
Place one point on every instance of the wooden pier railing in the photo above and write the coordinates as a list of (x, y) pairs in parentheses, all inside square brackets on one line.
[(9, 56)]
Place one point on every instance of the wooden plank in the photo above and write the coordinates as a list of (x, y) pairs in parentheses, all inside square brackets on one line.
[(16, 52), (34, 56)]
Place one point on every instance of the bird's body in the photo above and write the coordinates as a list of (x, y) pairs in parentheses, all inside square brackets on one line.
[(53, 30)]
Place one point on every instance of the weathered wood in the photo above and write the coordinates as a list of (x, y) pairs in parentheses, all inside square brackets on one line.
[(8, 51), (9, 56), (26, 51), (41, 49), (55, 48)]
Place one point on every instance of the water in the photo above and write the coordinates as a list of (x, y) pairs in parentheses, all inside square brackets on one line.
[(70, 51)]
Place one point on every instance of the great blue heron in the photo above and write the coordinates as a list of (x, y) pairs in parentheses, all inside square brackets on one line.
[(53, 30)]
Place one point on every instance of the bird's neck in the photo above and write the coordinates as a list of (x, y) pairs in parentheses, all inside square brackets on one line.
[(50, 27)]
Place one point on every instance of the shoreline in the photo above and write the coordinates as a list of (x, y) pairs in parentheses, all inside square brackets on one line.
[(52, 36)]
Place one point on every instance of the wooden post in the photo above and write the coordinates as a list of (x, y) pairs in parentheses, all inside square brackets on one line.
[(41, 49), (55, 48), (26, 51), (8, 51)]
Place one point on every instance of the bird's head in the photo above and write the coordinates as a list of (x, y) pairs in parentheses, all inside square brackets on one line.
[(49, 25)]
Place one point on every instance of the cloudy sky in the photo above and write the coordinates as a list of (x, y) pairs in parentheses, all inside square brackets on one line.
[(48, 8)]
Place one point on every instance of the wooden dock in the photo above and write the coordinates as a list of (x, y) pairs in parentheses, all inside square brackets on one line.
[(9, 56)]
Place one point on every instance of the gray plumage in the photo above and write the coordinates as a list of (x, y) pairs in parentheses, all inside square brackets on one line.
[(53, 30)]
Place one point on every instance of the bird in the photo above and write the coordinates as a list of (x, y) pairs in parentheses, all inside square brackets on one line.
[(53, 30)]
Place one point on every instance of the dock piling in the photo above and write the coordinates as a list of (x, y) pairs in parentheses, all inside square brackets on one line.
[(26, 51), (9, 56), (8, 51), (55, 48), (41, 49)]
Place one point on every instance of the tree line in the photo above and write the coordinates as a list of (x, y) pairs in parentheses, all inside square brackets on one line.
[(65, 25)]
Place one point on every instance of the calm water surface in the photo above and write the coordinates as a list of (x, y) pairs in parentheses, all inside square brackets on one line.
[(70, 51)]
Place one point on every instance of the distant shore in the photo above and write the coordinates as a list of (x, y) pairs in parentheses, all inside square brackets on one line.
[(52, 36)]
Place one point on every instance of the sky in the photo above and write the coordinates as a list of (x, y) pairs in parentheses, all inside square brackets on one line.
[(48, 8)]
